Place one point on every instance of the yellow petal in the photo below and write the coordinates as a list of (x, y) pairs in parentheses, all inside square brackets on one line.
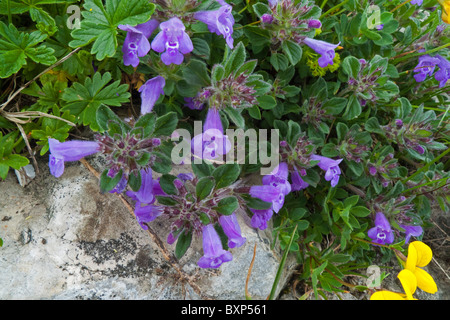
[(425, 281), (386, 295), (424, 253), (409, 282), (411, 260)]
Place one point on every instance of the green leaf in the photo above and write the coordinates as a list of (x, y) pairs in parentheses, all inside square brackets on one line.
[(16, 48), (203, 169), (83, 101), (204, 187), (226, 174), (351, 66), (147, 122), (107, 183), (235, 116), (235, 60), (167, 185), (183, 243), (166, 125), (99, 23), (267, 102), (293, 51), (227, 205)]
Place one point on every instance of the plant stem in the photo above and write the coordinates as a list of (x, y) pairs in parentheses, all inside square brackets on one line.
[(334, 8), (400, 5)]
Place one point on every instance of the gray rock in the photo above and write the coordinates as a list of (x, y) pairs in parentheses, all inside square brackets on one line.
[(63, 239)]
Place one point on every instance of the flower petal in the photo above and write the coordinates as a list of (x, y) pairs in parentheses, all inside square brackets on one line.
[(425, 281), (386, 295), (409, 282)]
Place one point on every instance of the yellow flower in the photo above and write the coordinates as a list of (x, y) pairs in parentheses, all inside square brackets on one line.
[(409, 284), (419, 255), (445, 10)]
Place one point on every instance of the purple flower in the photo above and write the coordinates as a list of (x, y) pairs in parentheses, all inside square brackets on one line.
[(443, 74), (146, 213), (273, 3), (425, 67), (415, 231), (214, 254), (232, 229), (419, 149), (381, 233), (297, 181), (150, 92), (145, 192), (331, 168), (280, 187), (372, 170), (173, 41), (136, 42), (325, 49), (212, 143), (267, 18), (74, 150), (399, 122), (260, 218), (380, 26), (220, 21), (418, 2), (314, 24), (121, 185)]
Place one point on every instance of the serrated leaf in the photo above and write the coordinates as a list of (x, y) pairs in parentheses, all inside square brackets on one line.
[(100, 22), (83, 101), (17, 47)]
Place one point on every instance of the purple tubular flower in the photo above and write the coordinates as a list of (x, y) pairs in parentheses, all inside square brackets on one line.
[(425, 67), (372, 170), (325, 49), (279, 180), (220, 21), (232, 229), (145, 192), (146, 213), (173, 41), (418, 2), (380, 26), (331, 168), (443, 74), (136, 42), (273, 2), (265, 193), (68, 151), (150, 92), (297, 181), (212, 143), (381, 233), (415, 231), (260, 218), (214, 254)]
